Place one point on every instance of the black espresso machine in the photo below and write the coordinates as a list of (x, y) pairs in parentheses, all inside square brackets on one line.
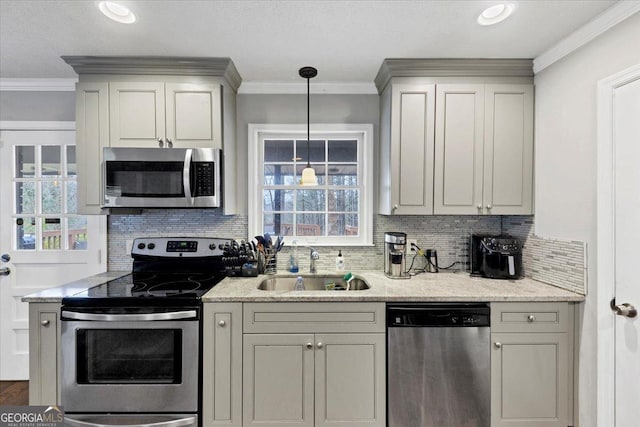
[(496, 257)]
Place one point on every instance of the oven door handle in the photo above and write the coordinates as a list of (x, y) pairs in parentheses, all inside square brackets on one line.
[(175, 315), (189, 421)]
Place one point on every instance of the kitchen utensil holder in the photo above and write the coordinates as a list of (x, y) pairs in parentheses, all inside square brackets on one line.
[(271, 261)]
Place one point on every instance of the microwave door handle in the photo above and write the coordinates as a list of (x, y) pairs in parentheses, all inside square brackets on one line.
[(186, 173), (176, 315), (189, 421)]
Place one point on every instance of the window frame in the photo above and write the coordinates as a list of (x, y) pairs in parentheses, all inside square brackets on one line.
[(363, 133)]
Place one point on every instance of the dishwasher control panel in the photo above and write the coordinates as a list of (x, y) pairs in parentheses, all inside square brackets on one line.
[(438, 315)]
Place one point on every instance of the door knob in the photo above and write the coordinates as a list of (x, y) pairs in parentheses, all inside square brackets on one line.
[(5, 258), (625, 310), (5, 271)]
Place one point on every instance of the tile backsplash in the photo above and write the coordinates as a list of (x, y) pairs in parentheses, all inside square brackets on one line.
[(556, 262)]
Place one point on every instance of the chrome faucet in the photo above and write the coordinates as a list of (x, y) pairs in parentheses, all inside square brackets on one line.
[(314, 256)]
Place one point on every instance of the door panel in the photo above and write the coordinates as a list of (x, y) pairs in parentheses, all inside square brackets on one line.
[(626, 134), (137, 117), (508, 149), (459, 149), (278, 380), (194, 115), (47, 242)]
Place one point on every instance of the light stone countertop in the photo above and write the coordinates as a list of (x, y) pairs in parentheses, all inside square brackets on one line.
[(56, 294), (420, 288)]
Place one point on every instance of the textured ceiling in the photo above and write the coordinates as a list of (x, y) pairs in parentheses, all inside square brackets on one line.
[(269, 40)]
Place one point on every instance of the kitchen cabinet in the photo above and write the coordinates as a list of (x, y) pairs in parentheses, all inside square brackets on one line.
[(407, 135), (44, 353), (531, 364), (321, 372), (222, 365), (484, 149), (142, 102), (456, 137), (149, 114)]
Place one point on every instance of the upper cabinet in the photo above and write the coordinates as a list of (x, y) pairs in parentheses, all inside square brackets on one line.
[(152, 102), (456, 137), (152, 114)]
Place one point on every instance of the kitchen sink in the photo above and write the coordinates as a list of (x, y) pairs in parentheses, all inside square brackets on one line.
[(312, 283)]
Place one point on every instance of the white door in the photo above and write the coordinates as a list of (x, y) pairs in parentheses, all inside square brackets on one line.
[(626, 143), (618, 235), (43, 242)]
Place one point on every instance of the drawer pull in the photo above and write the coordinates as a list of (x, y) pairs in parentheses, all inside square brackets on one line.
[(531, 318), (320, 345), (222, 323), (45, 323), (309, 345), (497, 344)]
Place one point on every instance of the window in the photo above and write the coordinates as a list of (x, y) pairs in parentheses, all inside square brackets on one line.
[(336, 212), (45, 202)]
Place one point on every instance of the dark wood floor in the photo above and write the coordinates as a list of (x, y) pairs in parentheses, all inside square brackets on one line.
[(14, 393)]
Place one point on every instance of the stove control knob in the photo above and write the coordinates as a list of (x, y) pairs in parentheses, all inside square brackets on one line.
[(141, 245), (221, 246), (152, 246), (212, 246)]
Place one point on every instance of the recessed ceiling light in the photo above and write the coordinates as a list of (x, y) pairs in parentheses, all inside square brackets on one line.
[(496, 13), (117, 12)]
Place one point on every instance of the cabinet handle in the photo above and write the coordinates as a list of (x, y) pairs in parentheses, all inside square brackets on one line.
[(531, 318), (45, 323), (309, 345), (320, 345), (479, 207), (169, 143), (395, 207), (498, 344), (488, 206), (222, 323), (160, 143)]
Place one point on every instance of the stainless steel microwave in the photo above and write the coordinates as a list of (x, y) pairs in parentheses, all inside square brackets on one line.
[(162, 177)]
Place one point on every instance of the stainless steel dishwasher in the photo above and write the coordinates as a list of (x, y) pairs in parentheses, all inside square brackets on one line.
[(438, 365)]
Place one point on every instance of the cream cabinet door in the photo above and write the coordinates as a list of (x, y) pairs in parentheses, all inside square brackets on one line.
[(194, 115), (412, 133), (92, 135), (530, 380), (350, 380), (137, 114), (508, 150), (222, 365), (459, 149), (44, 360), (278, 378)]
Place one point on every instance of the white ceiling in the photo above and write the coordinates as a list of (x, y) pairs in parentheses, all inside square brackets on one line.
[(269, 40)]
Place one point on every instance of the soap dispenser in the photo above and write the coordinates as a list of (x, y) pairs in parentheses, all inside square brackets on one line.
[(340, 261), (293, 258)]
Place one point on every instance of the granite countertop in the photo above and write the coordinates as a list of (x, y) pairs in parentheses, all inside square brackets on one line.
[(423, 287), (56, 294)]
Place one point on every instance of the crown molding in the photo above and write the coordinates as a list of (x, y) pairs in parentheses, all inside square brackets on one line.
[(37, 125), (38, 85), (354, 88), (157, 65), (450, 67), (592, 29)]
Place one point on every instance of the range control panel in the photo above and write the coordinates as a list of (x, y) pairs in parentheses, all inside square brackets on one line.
[(170, 247)]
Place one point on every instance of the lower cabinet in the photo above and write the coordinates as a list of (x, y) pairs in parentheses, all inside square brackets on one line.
[(319, 378), (222, 365), (44, 354), (532, 365)]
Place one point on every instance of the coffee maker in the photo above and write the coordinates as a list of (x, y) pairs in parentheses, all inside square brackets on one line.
[(395, 250)]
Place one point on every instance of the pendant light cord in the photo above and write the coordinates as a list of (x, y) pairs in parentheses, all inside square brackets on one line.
[(308, 132)]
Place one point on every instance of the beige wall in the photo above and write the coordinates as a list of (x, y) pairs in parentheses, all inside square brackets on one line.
[(565, 159), (37, 106)]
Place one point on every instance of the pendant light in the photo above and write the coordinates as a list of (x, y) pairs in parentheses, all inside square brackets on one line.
[(308, 173)]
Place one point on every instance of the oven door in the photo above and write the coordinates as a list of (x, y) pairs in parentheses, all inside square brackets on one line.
[(116, 362)]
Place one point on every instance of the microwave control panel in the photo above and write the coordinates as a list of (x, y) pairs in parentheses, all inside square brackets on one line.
[(204, 179)]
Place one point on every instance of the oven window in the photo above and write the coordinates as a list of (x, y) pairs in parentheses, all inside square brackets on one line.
[(145, 179), (129, 356)]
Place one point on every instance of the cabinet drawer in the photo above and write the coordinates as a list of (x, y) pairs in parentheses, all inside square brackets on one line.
[(530, 317), (313, 317)]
